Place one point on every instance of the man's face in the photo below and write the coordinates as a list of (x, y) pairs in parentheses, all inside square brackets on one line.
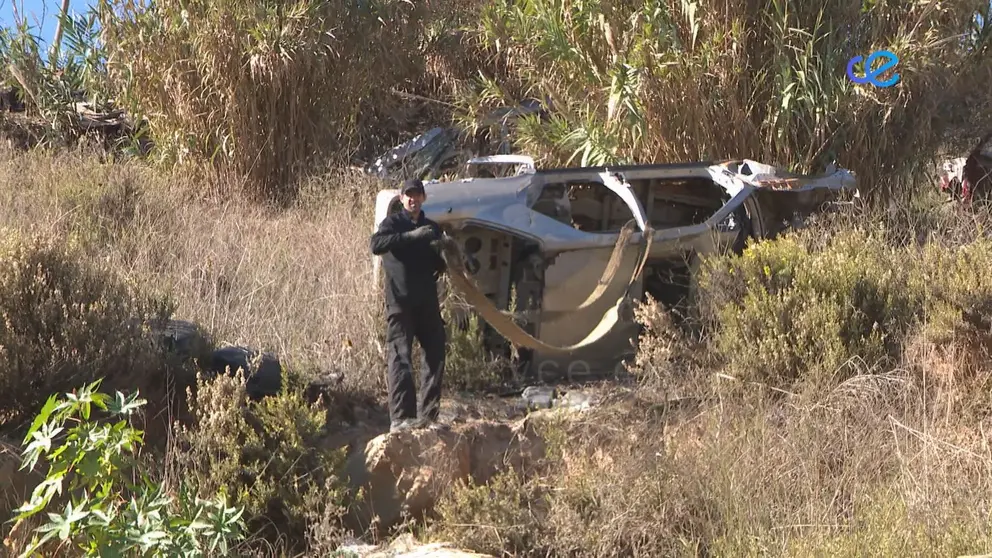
[(413, 201)]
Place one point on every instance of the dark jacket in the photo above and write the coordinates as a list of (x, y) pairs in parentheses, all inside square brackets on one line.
[(412, 267)]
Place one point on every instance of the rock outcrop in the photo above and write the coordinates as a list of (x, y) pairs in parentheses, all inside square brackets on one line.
[(406, 546), (402, 474)]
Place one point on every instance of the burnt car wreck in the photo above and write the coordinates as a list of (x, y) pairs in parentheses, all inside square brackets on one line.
[(969, 178), (552, 259)]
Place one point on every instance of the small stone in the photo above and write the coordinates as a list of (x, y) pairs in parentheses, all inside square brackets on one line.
[(576, 401), (539, 397)]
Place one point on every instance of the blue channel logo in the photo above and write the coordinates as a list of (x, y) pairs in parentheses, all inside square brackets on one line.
[(871, 73)]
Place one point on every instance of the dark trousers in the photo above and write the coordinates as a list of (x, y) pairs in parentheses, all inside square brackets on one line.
[(402, 325)]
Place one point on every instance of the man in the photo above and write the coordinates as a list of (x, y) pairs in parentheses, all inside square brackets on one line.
[(412, 265)]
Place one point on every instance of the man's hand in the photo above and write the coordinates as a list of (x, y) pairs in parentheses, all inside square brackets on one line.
[(424, 232)]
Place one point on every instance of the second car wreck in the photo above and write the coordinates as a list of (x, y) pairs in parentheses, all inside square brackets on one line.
[(967, 178), (552, 258)]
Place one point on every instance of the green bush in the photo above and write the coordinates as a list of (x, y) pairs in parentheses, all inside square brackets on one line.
[(505, 505), (64, 322), (469, 365), (801, 307), (112, 507), (784, 310), (268, 455)]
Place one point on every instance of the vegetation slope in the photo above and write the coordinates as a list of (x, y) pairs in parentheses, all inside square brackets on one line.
[(833, 394)]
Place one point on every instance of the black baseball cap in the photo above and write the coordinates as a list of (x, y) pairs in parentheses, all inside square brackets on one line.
[(412, 186)]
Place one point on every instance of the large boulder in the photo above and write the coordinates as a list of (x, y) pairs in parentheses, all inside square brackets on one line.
[(404, 473)]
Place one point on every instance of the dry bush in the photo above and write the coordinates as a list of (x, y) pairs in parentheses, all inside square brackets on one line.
[(666, 353), (296, 281), (66, 322), (612, 486), (606, 488), (706, 80), (496, 518)]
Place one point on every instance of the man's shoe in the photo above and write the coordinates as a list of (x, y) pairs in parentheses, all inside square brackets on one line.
[(405, 424), (426, 423)]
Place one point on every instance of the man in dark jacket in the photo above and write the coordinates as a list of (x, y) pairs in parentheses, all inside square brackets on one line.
[(412, 265)]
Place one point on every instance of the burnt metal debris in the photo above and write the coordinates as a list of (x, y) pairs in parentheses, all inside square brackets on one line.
[(970, 177), (443, 150)]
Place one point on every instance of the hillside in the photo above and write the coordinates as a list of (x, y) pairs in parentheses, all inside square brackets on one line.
[(829, 394)]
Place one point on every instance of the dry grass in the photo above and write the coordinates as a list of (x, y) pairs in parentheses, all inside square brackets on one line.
[(269, 90), (875, 460), (872, 468), (845, 455), (297, 281)]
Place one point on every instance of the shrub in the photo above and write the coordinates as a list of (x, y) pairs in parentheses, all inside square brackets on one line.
[(784, 310), (64, 322), (267, 454), (113, 507), (664, 352), (494, 518), (806, 305), (469, 365)]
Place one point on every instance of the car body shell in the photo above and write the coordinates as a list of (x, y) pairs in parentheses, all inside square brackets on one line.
[(541, 239)]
